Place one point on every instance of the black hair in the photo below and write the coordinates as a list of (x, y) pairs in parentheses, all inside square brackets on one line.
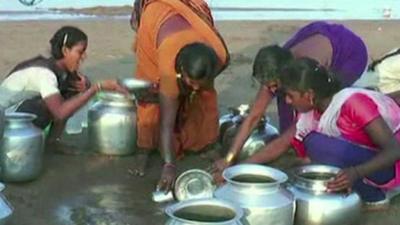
[(198, 61), (269, 61), (66, 36), (371, 67), (136, 14), (304, 74)]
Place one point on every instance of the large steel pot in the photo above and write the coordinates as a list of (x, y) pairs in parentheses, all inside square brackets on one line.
[(22, 147), (257, 189), (259, 137), (314, 205), (6, 209), (112, 124), (203, 212)]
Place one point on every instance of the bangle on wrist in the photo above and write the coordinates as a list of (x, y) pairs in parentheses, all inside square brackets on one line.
[(357, 172), (98, 86), (229, 157), (169, 164)]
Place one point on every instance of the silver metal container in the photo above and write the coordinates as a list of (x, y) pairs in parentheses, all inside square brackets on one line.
[(22, 147), (314, 205), (2, 121), (194, 184), (133, 84), (162, 196), (259, 137), (257, 189), (203, 212), (112, 124), (6, 209)]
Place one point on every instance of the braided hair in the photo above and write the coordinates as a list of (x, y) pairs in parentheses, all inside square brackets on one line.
[(371, 67)]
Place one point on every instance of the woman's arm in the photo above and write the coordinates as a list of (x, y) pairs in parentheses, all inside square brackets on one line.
[(62, 109), (383, 137), (389, 153), (168, 108), (275, 148), (263, 98)]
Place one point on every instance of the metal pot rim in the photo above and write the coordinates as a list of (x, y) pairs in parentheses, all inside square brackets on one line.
[(256, 169), (115, 96), (312, 184), (134, 83), (205, 201), (20, 116), (179, 180)]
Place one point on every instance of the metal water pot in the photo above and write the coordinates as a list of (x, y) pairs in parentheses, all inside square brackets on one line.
[(112, 124), (6, 209), (203, 212), (2, 121), (259, 137), (314, 205), (258, 191), (22, 147)]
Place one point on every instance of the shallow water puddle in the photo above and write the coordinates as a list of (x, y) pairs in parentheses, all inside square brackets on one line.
[(101, 205)]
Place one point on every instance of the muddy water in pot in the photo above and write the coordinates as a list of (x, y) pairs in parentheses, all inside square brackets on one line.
[(252, 178), (203, 211), (318, 176)]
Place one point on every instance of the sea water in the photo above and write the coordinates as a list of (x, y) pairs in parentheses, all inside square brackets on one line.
[(225, 9)]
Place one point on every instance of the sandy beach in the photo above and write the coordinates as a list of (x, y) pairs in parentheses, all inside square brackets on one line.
[(70, 183)]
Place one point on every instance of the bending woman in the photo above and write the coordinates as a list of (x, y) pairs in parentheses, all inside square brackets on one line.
[(53, 88), (177, 47), (332, 45), (358, 129)]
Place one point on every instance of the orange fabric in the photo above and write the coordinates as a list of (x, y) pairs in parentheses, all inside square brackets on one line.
[(157, 64)]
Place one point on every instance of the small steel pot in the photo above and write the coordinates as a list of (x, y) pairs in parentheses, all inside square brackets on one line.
[(259, 192), (315, 205)]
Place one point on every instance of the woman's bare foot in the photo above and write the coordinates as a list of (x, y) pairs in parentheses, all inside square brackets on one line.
[(141, 159)]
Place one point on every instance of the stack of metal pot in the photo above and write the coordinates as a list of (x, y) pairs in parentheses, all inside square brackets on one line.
[(112, 124), (259, 192), (315, 205), (21, 149), (260, 136)]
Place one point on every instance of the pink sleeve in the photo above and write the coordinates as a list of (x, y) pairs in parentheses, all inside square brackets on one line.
[(360, 109)]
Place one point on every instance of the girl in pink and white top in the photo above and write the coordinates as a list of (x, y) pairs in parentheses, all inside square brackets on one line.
[(354, 129)]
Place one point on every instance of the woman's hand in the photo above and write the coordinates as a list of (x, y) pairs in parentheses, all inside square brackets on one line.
[(81, 84), (217, 168), (112, 85), (168, 177), (344, 180)]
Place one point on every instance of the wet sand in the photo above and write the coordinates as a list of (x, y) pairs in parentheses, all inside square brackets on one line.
[(93, 189)]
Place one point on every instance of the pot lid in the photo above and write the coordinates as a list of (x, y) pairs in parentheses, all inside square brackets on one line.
[(194, 184), (133, 84)]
